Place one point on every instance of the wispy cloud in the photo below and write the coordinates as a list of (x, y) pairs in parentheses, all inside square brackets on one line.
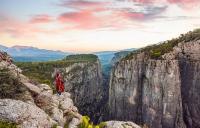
[(41, 19), (77, 21), (87, 14), (14, 27)]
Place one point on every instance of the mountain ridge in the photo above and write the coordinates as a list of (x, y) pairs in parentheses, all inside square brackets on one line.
[(29, 53)]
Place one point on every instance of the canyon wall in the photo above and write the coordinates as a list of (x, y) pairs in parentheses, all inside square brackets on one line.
[(84, 82), (158, 93)]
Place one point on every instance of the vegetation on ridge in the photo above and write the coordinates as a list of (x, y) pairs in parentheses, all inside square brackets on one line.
[(157, 50), (81, 58), (11, 87), (41, 72)]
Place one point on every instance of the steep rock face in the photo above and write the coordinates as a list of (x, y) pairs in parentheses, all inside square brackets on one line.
[(84, 82), (190, 82), (145, 91), (160, 93), (31, 106), (118, 56)]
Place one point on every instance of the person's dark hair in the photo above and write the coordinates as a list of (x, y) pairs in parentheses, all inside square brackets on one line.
[(57, 74)]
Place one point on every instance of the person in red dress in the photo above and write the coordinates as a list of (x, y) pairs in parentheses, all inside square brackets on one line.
[(59, 84)]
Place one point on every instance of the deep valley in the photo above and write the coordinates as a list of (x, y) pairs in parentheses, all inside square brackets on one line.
[(156, 87)]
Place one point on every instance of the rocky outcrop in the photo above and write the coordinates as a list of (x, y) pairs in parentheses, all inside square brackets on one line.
[(82, 76), (59, 108), (84, 82), (158, 93), (24, 114), (121, 124), (5, 57), (32, 106)]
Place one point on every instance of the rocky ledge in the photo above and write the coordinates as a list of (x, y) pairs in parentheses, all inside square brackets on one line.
[(35, 106)]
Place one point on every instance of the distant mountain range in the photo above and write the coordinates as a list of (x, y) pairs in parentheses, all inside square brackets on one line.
[(26, 53)]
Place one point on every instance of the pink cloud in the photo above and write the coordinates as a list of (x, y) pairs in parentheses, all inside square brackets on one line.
[(170, 1), (79, 3), (17, 28), (144, 1), (82, 4), (41, 19), (181, 3), (135, 15), (92, 15), (85, 15), (185, 3), (84, 19)]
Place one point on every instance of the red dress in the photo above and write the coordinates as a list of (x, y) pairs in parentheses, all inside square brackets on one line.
[(59, 84)]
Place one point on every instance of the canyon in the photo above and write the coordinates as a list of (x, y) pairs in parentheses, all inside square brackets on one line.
[(156, 86), (27, 104)]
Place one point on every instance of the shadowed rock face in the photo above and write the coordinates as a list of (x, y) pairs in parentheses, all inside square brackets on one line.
[(147, 92), (160, 93), (190, 82), (190, 75), (84, 82)]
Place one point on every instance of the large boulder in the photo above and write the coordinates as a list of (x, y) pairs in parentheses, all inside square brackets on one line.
[(121, 124), (58, 107), (24, 114)]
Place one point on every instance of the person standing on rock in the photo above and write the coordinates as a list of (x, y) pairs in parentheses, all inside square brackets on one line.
[(59, 84)]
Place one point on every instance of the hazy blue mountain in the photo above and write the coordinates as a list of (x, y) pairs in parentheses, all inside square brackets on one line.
[(26, 53)]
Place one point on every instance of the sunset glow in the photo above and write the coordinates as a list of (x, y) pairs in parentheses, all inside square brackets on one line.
[(95, 25)]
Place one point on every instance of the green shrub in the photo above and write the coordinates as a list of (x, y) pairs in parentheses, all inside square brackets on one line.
[(66, 125), (87, 124), (54, 126), (4, 124), (11, 87), (155, 54), (157, 50), (82, 58)]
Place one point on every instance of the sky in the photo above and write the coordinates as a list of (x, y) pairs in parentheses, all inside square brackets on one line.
[(95, 25)]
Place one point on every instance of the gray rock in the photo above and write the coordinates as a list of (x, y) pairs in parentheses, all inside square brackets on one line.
[(121, 124), (24, 114), (46, 88), (158, 93), (74, 123), (84, 82), (34, 89)]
